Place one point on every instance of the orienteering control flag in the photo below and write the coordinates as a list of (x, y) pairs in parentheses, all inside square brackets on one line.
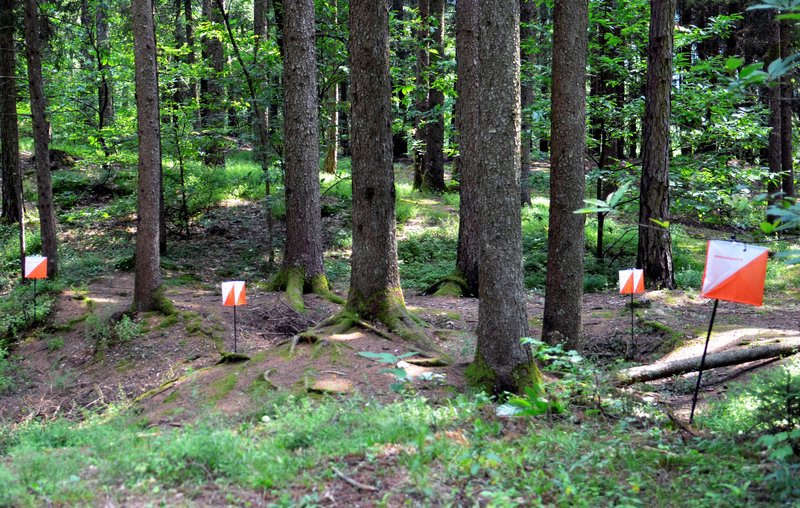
[(233, 293), (631, 282), (35, 267), (735, 272)]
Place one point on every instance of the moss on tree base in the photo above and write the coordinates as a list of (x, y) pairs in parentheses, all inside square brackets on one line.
[(293, 281), (481, 375), (452, 285)]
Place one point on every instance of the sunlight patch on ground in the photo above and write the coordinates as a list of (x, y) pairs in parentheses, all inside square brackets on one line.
[(346, 337), (727, 339), (231, 202)]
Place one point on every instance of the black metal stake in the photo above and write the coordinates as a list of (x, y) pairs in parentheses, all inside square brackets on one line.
[(703, 361), (34, 302), (234, 328), (630, 345)]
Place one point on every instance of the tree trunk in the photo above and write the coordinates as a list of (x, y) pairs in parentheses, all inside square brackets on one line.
[(433, 176), (565, 239), (782, 347), (399, 140), (375, 282), (148, 291), (655, 242), (9, 133), (527, 13), (502, 363), (105, 98), (422, 91), (212, 112), (44, 187), (468, 128), (303, 249), (787, 166), (332, 99)]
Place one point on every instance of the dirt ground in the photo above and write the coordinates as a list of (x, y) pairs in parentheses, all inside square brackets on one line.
[(72, 363)]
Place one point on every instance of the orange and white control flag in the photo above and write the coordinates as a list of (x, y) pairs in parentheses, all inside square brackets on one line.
[(735, 272), (631, 282), (35, 267), (233, 293)]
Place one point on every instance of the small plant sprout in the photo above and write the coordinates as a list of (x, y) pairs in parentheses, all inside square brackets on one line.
[(400, 374)]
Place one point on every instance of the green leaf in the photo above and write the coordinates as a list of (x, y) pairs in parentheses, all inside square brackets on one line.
[(769, 227), (663, 223), (593, 210), (733, 63), (617, 195), (381, 357), (398, 373)]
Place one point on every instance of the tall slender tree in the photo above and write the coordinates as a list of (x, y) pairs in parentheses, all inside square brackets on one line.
[(501, 362), (433, 175), (148, 293), (655, 242), (787, 100), (41, 128), (9, 133), (565, 238), (527, 13), (422, 90), (212, 112), (302, 262)]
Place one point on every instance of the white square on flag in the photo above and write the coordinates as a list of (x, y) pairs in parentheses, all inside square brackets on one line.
[(735, 272), (233, 293), (631, 282)]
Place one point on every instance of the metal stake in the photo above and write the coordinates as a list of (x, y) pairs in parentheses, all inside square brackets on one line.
[(703, 361), (234, 328), (630, 345), (34, 302)]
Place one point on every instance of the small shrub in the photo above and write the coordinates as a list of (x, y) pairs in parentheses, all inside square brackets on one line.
[(6, 372), (127, 329)]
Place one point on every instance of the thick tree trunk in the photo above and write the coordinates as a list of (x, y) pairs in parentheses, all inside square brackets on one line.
[(565, 239), (375, 282), (44, 187), (527, 13), (148, 291), (422, 91), (655, 242), (9, 133), (501, 362), (782, 347), (212, 113), (468, 128), (303, 249), (433, 177)]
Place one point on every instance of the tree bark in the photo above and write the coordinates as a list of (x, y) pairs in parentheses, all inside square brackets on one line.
[(422, 91), (375, 281), (468, 129), (527, 14), (303, 249), (433, 177), (44, 187), (501, 362), (787, 163), (9, 132), (148, 291), (212, 112), (565, 239), (655, 242), (782, 347)]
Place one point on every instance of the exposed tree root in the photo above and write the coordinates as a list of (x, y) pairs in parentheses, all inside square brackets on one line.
[(452, 285), (228, 357), (292, 281)]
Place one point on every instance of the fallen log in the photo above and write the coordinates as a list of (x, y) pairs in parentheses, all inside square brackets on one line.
[(778, 347)]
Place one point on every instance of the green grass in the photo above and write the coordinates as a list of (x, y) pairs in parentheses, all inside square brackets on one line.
[(454, 453)]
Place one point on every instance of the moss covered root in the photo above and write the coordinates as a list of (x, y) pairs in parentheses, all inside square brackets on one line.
[(452, 285), (481, 375), (293, 281)]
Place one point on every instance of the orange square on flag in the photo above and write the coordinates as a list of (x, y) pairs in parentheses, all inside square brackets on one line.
[(35, 267), (735, 272), (631, 282), (233, 293)]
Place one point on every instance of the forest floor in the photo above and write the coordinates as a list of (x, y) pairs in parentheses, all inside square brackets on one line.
[(83, 359)]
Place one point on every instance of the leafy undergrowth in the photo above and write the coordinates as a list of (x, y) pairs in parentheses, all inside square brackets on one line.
[(455, 453)]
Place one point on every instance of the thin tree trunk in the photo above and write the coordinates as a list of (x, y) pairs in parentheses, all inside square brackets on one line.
[(655, 242), (422, 91), (527, 13), (565, 238), (468, 128), (433, 175), (211, 91), (787, 159), (148, 291), (332, 132), (44, 187)]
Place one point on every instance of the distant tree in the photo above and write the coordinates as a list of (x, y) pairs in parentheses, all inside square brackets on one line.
[(527, 15), (655, 242), (212, 111), (501, 362), (302, 263), (433, 175), (787, 113), (9, 135), (148, 293), (423, 94), (565, 238), (41, 138)]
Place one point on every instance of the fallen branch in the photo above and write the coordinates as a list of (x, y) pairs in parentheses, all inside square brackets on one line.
[(777, 348), (355, 483)]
